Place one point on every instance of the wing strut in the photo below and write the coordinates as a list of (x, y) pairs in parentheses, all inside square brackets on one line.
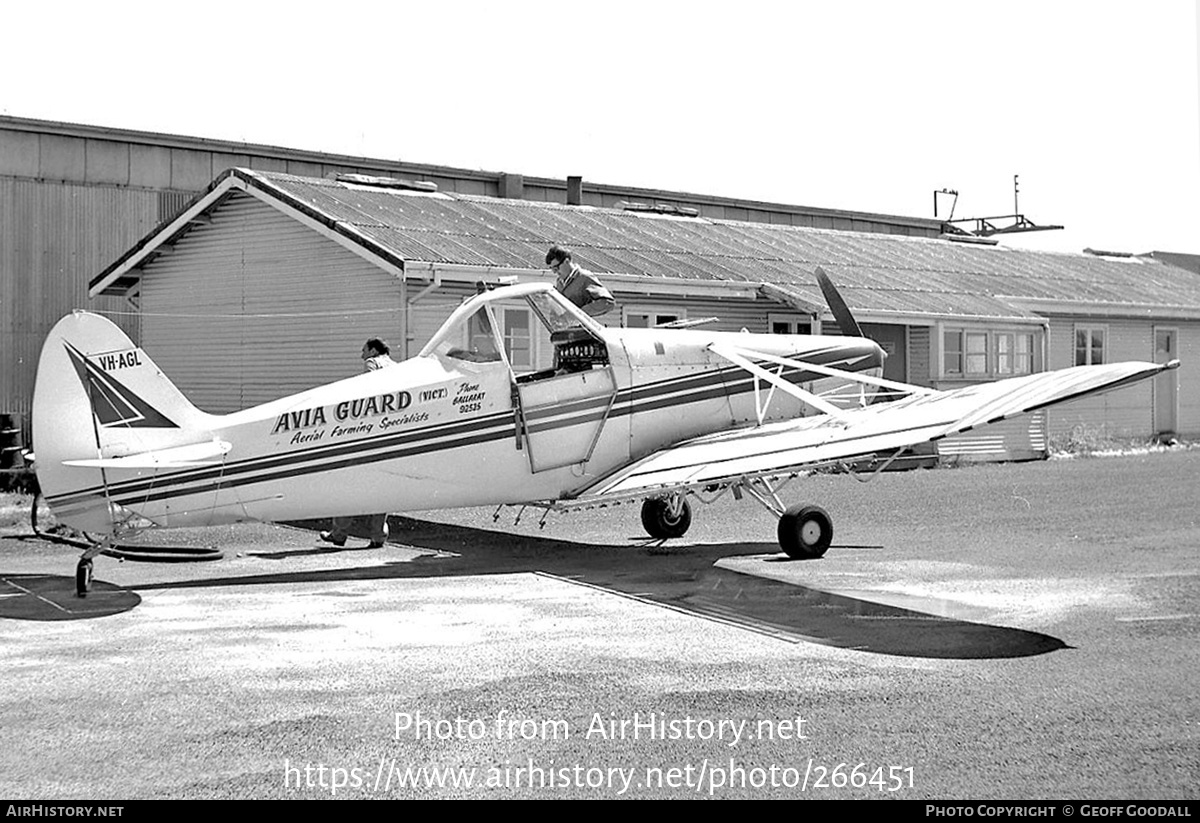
[(881, 468), (768, 497), (905, 388), (734, 356)]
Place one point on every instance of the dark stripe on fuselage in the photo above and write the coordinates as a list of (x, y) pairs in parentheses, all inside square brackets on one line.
[(262, 463), (588, 404)]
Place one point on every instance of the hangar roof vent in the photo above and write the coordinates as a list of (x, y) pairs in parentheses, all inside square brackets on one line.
[(1104, 253), (659, 208), (386, 182), (962, 237)]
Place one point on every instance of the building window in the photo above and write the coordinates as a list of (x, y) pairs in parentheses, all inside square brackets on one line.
[(1089, 345), (518, 338), (641, 318), (952, 352), (1014, 353), (1004, 354), (977, 353), (789, 324)]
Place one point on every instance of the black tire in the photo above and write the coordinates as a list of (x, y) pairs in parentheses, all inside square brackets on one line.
[(658, 522), (83, 578), (805, 532)]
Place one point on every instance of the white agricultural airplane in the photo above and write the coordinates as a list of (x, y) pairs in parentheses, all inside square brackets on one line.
[(660, 415)]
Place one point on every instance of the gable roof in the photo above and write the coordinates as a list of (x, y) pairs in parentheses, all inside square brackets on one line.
[(879, 274)]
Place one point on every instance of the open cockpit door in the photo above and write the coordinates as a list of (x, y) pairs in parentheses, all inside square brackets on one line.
[(562, 415), (563, 404)]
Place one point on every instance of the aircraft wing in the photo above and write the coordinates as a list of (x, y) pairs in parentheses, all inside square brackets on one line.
[(810, 442)]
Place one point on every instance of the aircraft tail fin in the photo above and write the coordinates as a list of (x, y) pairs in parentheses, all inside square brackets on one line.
[(99, 397)]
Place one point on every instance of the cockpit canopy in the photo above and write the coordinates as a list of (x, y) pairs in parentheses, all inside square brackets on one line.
[(532, 328)]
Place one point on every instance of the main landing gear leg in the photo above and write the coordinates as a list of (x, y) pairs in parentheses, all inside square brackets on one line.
[(805, 532)]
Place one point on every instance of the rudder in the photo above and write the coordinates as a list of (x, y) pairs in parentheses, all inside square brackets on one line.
[(98, 395)]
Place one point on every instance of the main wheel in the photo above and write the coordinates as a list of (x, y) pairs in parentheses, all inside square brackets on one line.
[(661, 523), (805, 532)]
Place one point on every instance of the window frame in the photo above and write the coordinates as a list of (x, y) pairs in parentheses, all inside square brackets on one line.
[(962, 357), (678, 312), (972, 356), (794, 322), (532, 340), (1089, 329), (957, 352)]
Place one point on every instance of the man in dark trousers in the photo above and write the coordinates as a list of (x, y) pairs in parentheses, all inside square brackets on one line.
[(375, 356), (577, 284)]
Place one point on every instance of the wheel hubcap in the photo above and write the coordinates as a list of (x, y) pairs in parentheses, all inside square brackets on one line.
[(810, 532)]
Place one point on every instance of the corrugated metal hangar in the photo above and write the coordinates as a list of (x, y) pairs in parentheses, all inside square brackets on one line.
[(268, 281), (74, 197)]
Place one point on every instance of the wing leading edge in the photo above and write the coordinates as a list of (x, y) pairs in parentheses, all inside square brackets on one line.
[(810, 442)]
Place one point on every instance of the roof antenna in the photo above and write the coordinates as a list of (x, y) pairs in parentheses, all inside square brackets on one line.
[(985, 226), (953, 203)]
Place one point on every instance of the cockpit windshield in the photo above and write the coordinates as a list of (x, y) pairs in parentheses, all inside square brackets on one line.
[(532, 331), (472, 338), (552, 313)]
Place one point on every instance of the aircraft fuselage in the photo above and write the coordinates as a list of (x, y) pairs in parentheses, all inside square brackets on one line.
[(451, 428)]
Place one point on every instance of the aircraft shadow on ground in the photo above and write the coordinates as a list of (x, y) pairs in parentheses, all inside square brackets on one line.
[(677, 576)]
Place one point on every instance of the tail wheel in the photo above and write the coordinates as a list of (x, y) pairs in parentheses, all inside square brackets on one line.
[(805, 532), (663, 520), (83, 577)]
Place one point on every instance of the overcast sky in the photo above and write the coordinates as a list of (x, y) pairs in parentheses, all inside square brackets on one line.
[(863, 105)]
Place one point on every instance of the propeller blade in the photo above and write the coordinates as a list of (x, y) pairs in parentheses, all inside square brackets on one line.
[(841, 312)]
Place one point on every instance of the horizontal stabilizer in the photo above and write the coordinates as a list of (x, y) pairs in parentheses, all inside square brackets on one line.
[(198, 454)]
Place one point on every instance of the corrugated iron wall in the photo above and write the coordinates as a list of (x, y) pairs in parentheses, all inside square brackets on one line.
[(256, 306), (1022, 438), (53, 237)]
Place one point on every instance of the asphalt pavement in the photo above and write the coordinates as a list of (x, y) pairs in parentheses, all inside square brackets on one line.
[(973, 633)]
